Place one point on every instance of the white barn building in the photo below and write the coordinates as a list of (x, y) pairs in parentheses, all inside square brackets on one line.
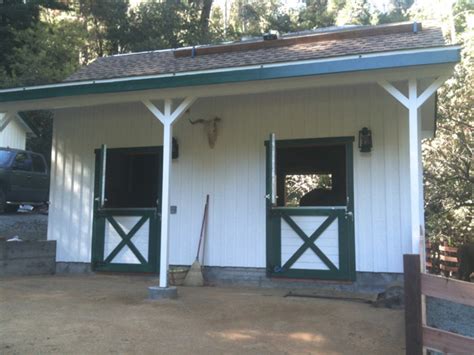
[(343, 110), (14, 132)]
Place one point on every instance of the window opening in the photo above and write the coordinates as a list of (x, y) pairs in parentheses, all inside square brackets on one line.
[(311, 176)]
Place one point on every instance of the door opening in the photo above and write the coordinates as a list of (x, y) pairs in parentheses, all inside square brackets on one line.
[(126, 218), (310, 230)]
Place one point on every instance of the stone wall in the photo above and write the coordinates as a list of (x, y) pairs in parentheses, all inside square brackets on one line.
[(27, 258)]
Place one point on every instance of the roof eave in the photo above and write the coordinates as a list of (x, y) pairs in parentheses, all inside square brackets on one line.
[(345, 64)]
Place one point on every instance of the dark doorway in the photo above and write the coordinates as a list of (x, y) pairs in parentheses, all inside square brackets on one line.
[(311, 176), (132, 178)]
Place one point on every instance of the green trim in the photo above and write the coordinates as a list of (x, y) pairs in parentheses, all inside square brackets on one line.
[(347, 268), (401, 59)]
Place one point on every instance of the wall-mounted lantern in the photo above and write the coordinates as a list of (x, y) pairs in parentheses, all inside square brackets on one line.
[(174, 149), (365, 140)]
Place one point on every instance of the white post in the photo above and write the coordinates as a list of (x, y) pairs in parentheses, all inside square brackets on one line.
[(413, 103), (167, 118), (415, 162), (165, 194)]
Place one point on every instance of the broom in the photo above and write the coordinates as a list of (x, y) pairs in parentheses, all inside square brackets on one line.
[(194, 276)]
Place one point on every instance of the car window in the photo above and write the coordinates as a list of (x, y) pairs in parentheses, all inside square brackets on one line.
[(22, 162), (38, 163), (5, 156)]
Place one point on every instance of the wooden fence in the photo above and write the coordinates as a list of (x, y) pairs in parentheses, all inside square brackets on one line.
[(417, 333), (441, 259)]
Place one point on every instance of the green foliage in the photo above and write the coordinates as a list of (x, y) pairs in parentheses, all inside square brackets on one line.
[(448, 157), (355, 12), (255, 17), (17, 15), (106, 24), (46, 52), (318, 13)]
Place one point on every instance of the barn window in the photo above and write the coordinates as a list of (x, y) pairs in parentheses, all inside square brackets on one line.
[(311, 176)]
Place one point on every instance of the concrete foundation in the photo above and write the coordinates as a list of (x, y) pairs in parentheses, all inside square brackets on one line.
[(256, 277), (27, 258), (73, 268), (231, 276), (161, 293)]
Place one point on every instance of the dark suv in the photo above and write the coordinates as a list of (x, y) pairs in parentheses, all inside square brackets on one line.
[(24, 179)]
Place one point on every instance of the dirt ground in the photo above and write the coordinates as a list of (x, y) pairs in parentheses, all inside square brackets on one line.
[(111, 315), (25, 225)]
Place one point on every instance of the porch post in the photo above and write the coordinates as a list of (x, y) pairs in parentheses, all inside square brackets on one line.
[(168, 117), (413, 103), (165, 195), (415, 164)]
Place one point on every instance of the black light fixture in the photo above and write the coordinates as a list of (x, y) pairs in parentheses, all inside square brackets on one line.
[(174, 149), (365, 140)]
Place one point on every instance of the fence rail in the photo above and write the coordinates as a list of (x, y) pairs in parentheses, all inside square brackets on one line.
[(417, 333), (441, 258)]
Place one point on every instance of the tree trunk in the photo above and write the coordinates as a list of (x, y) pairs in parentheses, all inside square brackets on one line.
[(204, 21)]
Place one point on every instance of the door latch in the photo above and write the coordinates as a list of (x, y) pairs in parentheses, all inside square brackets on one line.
[(350, 215)]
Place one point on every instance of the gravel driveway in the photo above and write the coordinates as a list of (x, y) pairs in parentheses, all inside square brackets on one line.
[(25, 225)]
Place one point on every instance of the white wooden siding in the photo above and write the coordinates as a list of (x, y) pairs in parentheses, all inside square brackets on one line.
[(13, 136), (233, 173)]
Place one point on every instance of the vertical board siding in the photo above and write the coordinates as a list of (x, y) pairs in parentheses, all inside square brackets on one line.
[(233, 173), (13, 136)]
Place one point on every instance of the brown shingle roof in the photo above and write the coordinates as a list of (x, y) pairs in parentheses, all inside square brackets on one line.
[(360, 40)]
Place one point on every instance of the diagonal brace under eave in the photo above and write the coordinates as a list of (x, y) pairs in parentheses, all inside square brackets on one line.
[(419, 100), (169, 117), (392, 90)]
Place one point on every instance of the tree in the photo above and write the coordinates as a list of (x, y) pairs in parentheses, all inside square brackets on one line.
[(17, 15), (45, 53), (106, 23), (448, 157), (317, 14), (253, 18), (355, 12)]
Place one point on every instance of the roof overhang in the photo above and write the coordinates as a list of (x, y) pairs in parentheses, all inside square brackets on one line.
[(441, 57)]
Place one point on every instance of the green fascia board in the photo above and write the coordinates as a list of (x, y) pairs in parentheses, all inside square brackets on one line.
[(296, 69)]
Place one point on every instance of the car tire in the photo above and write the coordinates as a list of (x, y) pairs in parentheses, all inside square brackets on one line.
[(12, 208), (3, 201)]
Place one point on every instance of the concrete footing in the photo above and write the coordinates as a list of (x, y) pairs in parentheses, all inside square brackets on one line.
[(161, 293)]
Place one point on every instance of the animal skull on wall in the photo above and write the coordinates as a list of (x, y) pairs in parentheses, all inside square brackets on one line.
[(210, 128)]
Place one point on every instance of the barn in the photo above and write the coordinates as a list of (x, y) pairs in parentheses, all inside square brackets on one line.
[(309, 146), (14, 131)]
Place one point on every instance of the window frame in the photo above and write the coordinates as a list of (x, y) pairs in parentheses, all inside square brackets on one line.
[(45, 166)]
